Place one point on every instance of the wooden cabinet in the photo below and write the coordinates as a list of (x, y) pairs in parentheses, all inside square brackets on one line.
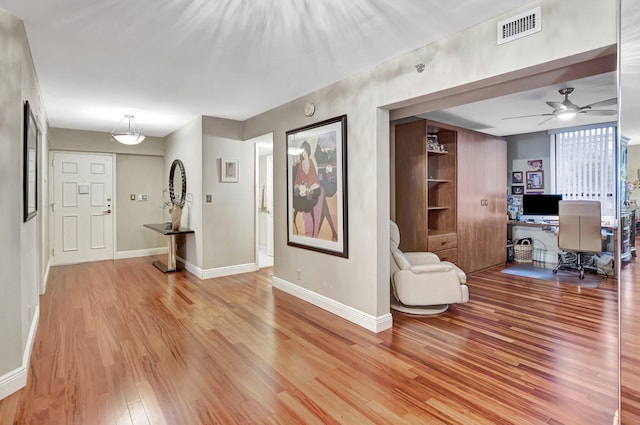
[(482, 201), (426, 188), (451, 202)]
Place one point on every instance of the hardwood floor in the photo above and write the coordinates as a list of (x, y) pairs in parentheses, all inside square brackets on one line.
[(119, 342), (630, 345)]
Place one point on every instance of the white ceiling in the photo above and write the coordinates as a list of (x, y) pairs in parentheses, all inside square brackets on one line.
[(487, 116), (169, 61)]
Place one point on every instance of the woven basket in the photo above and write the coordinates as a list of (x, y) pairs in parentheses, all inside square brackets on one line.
[(522, 252)]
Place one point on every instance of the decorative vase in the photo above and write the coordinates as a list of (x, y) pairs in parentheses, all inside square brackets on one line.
[(176, 216)]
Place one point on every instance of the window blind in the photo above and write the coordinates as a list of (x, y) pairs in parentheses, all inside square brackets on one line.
[(585, 165)]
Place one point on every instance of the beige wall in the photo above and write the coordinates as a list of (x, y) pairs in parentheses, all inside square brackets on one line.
[(185, 144), (229, 223), (94, 141), (22, 259), (362, 281), (139, 174)]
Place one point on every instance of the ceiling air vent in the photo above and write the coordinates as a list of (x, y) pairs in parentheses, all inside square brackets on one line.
[(519, 26)]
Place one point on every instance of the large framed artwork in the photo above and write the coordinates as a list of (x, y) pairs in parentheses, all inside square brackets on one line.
[(30, 164), (317, 187)]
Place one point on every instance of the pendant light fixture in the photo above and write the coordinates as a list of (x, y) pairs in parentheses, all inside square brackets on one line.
[(130, 135)]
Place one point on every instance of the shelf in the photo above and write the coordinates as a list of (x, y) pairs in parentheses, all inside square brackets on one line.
[(439, 181), (437, 208), (439, 232), (437, 152)]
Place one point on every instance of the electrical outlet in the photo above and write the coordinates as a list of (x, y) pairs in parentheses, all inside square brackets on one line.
[(132, 196), (143, 197)]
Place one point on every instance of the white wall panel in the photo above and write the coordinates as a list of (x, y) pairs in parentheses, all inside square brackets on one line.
[(97, 194), (70, 233), (97, 231), (97, 168), (69, 194), (69, 167)]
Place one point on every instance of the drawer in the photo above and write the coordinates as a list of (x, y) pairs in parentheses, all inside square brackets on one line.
[(440, 242), (448, 254)]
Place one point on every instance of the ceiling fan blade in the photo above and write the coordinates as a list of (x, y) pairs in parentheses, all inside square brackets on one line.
[(598, 112), (548, 119), (528, 116), (558, 106), (608, 102)]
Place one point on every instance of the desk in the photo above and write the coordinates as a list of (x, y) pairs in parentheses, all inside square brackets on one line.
[(165, 229), (545, 234)]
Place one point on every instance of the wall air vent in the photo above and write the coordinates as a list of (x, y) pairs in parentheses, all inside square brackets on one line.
[(519, 26)]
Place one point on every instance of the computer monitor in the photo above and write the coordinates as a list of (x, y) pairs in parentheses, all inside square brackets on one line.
[(540, 206)]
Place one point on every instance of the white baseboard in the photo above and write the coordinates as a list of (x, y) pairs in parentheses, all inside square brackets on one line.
[(120, 255), (218, 271), (367, 321), (16, 379)]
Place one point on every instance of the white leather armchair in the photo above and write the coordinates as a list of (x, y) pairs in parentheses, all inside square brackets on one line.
[(421, 283)]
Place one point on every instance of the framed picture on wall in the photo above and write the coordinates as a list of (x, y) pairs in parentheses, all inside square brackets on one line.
[(229, 170), (317, 187), (517, 190), (535, 180), (534, 164), (516, 177), (30, 164)]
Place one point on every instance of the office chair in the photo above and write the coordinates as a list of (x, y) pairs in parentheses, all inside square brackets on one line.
[(579, 231)]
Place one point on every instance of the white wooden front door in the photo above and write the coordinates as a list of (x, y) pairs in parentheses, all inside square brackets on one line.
[(83, 207)]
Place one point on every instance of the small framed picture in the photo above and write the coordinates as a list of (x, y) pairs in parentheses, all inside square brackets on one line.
[(534, 164), (535, 180), (517, 190), (229, 170), (516, 177)]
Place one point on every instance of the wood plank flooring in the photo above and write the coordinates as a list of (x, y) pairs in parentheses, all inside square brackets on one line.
[(119, 342), (630, 345)]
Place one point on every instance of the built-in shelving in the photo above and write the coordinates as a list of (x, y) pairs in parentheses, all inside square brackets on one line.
[(425, 184)]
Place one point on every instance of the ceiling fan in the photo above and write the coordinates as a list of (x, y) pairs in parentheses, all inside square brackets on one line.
[(566, 109)]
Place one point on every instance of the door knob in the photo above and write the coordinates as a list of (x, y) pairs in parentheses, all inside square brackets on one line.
[(106, 212)]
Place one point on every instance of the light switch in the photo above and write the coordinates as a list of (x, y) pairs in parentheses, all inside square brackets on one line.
[(208, 198), (132, 196), (143, 197)]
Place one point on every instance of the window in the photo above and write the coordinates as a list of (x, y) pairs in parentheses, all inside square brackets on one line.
[(585, 164)]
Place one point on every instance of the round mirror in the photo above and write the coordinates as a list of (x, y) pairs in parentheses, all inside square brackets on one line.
[(180, 181)]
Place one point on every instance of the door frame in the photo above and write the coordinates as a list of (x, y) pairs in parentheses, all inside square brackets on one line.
[(260, 147), (51, 189)]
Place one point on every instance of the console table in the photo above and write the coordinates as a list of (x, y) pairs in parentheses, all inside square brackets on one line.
[(165, 229)]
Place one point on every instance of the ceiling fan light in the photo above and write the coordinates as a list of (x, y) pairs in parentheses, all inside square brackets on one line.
[(130, 136), (566, 115)]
